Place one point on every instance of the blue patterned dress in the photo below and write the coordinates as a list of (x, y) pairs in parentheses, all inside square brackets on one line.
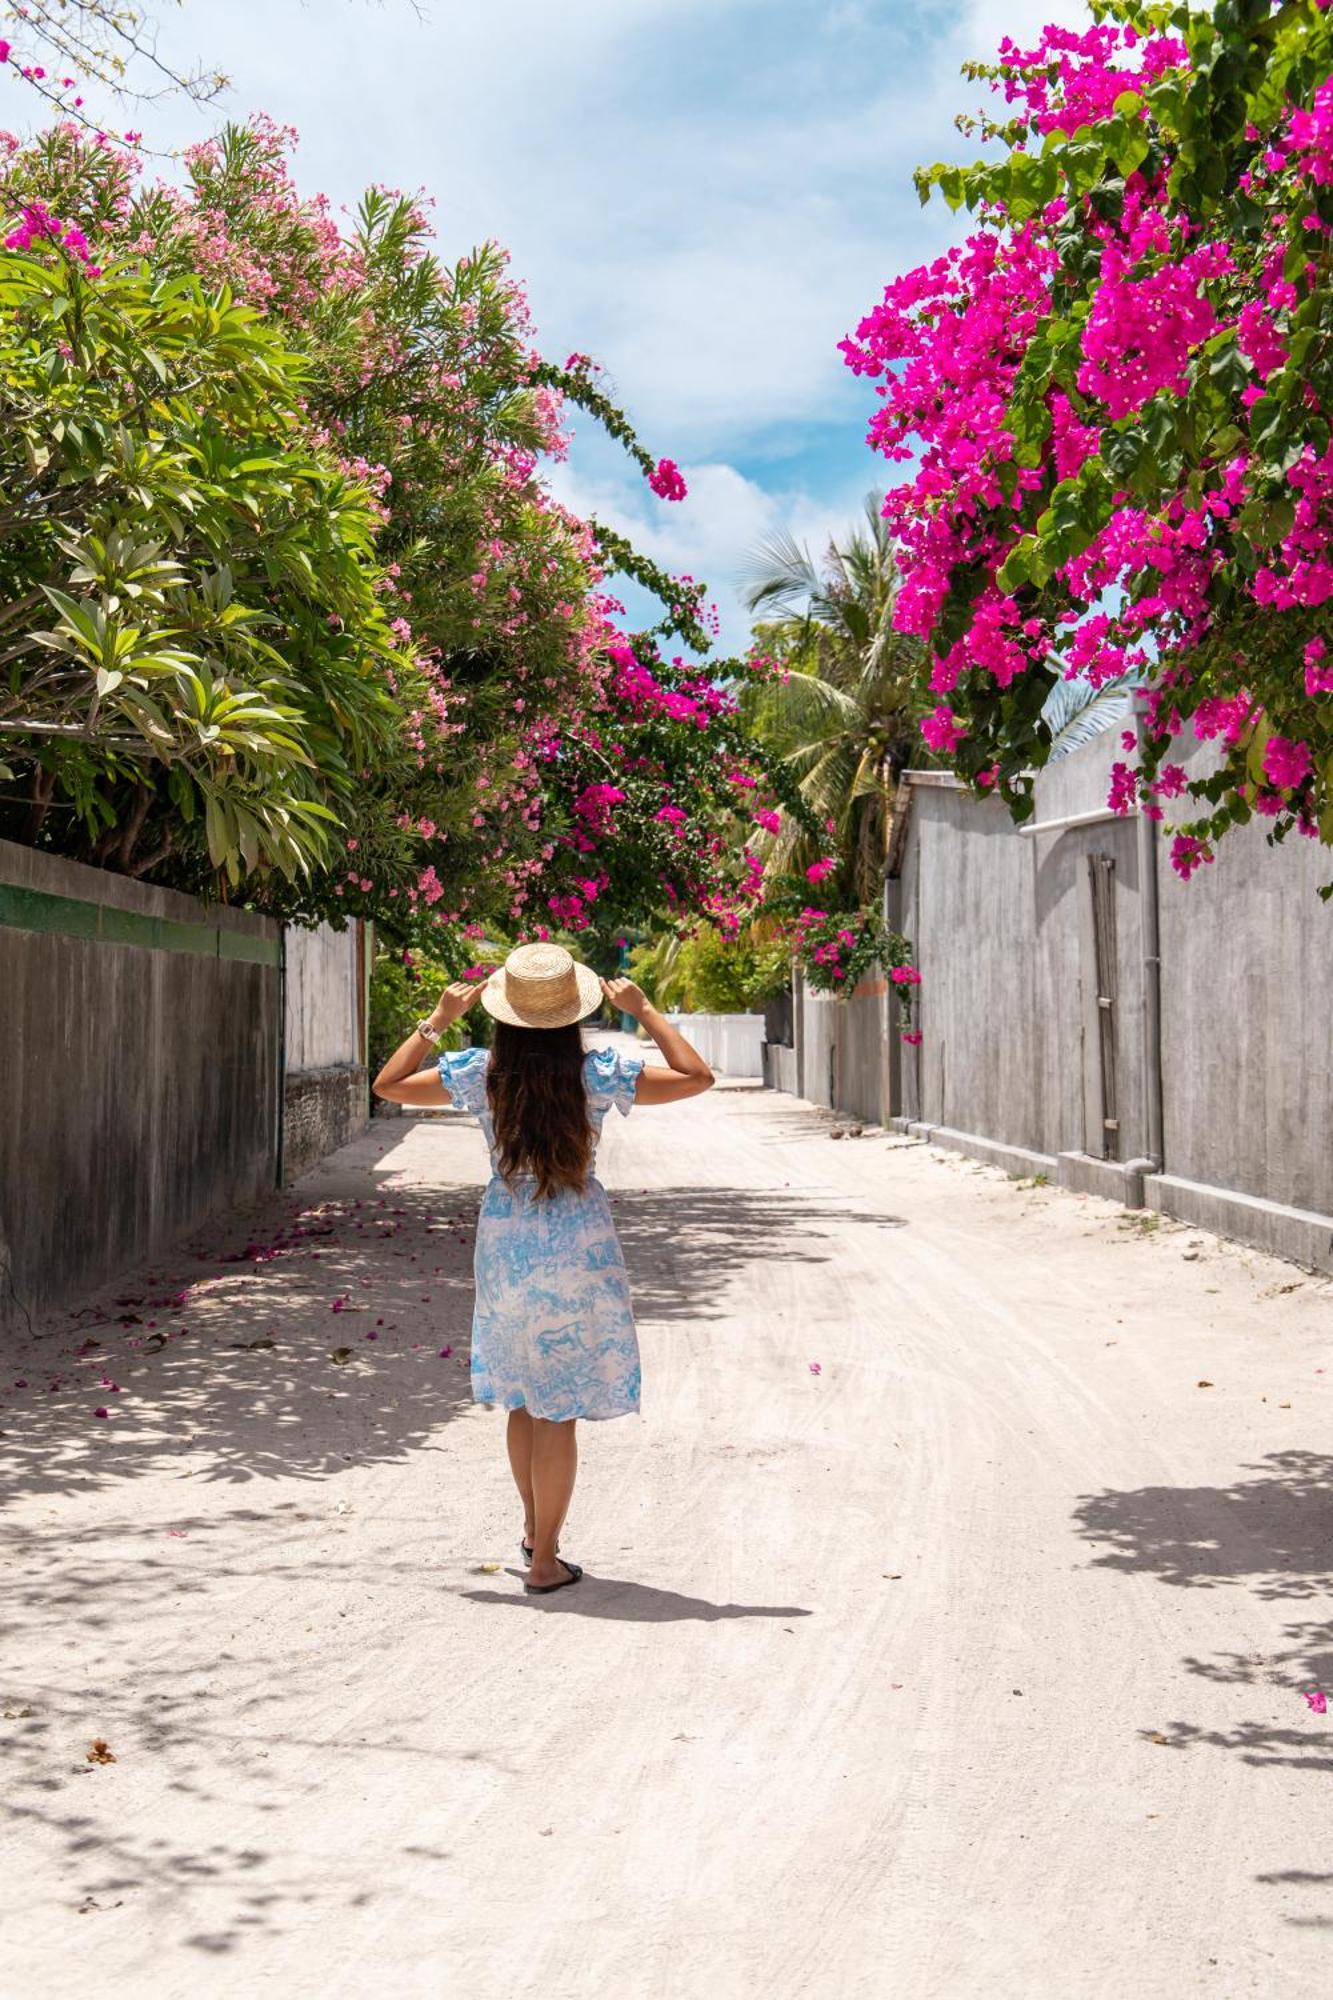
[(552, 1329)]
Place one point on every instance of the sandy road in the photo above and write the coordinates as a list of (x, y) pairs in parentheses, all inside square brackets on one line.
[(970, 1665)]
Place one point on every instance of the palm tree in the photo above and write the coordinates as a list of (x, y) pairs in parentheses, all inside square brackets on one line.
[(845, 720)]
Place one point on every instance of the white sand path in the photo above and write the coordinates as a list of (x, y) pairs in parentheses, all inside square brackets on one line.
[(968, 1667)]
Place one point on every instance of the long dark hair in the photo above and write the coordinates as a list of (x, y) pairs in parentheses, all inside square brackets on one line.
[(539, 1107)]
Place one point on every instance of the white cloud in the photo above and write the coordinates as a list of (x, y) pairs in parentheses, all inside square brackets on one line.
[(717, 530), (704, 194)]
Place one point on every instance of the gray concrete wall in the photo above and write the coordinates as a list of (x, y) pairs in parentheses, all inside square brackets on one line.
[(1001, 926), (842, 1050), (1247, 1032), (1010, 1067), (139, 1038)]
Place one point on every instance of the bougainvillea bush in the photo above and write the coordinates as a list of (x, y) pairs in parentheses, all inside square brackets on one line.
[(1114, 400), (282, 474)]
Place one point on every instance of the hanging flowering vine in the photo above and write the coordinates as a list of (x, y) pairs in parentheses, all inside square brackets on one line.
[(1115, 400)]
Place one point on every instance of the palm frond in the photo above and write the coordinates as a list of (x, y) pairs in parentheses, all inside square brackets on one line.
[(781, 575), (1075, 712)]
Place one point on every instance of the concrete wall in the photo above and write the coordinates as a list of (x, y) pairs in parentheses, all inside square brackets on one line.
[(843, 1050), (326, 1090), (1000, 923), (1247, 1045), (730, 1043), (323, 1007), (139, 1054), (1010, 1067)]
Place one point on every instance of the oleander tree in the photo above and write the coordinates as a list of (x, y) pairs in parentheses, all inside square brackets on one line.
[(441, 668), (1112, 406)]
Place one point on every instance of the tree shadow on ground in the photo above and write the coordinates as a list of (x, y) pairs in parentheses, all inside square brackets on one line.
[(1271, 1534), (332, 1326), (127, 1663), (1274, 1531)]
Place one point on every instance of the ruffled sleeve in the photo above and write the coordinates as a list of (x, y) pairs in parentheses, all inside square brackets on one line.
[(463, 1074), (611, 1079)]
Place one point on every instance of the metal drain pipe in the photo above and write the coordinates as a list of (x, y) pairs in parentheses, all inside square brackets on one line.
[(1150, 937)]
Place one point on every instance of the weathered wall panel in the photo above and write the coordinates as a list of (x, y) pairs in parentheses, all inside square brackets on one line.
[(138, 1080)]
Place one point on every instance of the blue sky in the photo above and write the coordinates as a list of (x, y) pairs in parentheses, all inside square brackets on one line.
[(705, 195)]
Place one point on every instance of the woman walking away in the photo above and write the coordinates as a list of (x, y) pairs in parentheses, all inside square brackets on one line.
[(552, 1332)]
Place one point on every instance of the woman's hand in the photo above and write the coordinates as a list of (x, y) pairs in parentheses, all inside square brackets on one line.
[(626, 996), (455, 1000)]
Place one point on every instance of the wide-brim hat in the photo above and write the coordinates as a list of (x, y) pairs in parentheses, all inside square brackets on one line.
[(541, 986)]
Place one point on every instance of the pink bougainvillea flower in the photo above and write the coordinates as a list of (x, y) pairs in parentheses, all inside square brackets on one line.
[(1318, 668), (942, 730), (819, 869), (910, 1035), (816, 1368), (905, 975), (666, 480), (340, 1305), (445, 1352), (101, 1411), (1286, 764), (1318, 1701)]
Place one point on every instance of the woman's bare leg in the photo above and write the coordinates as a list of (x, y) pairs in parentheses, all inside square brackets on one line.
[(555, 1462), (518, 1438)]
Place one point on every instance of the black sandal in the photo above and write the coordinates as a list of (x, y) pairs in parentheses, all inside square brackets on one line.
[(543, 1589)]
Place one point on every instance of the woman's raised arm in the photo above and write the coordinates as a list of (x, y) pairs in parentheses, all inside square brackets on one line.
[(687, 1073), (402, 1079)]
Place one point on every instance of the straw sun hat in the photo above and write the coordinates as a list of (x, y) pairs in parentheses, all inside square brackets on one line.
[(541, 986)]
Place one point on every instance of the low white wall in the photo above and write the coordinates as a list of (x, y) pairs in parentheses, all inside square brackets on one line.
[(732, 1043)]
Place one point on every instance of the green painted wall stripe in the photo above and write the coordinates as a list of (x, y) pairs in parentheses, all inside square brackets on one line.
[(35, 910)]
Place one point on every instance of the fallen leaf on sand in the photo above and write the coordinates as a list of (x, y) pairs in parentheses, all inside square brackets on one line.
[(341, 1355), (100, 1752), (488, 1569), (1204, 1385), (1156, 1736)]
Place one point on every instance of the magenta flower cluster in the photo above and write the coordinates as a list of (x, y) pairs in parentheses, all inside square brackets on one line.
[(1021, 534), (667, 481)]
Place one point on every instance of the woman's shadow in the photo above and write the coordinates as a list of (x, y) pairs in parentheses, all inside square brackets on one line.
[(616, 1597)]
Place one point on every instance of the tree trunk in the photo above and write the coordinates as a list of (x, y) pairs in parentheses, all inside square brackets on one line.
[(154, 857), (134, 827), (43, 791)]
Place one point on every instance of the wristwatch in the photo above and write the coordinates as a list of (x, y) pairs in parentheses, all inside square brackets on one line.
[(429, 1034)]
